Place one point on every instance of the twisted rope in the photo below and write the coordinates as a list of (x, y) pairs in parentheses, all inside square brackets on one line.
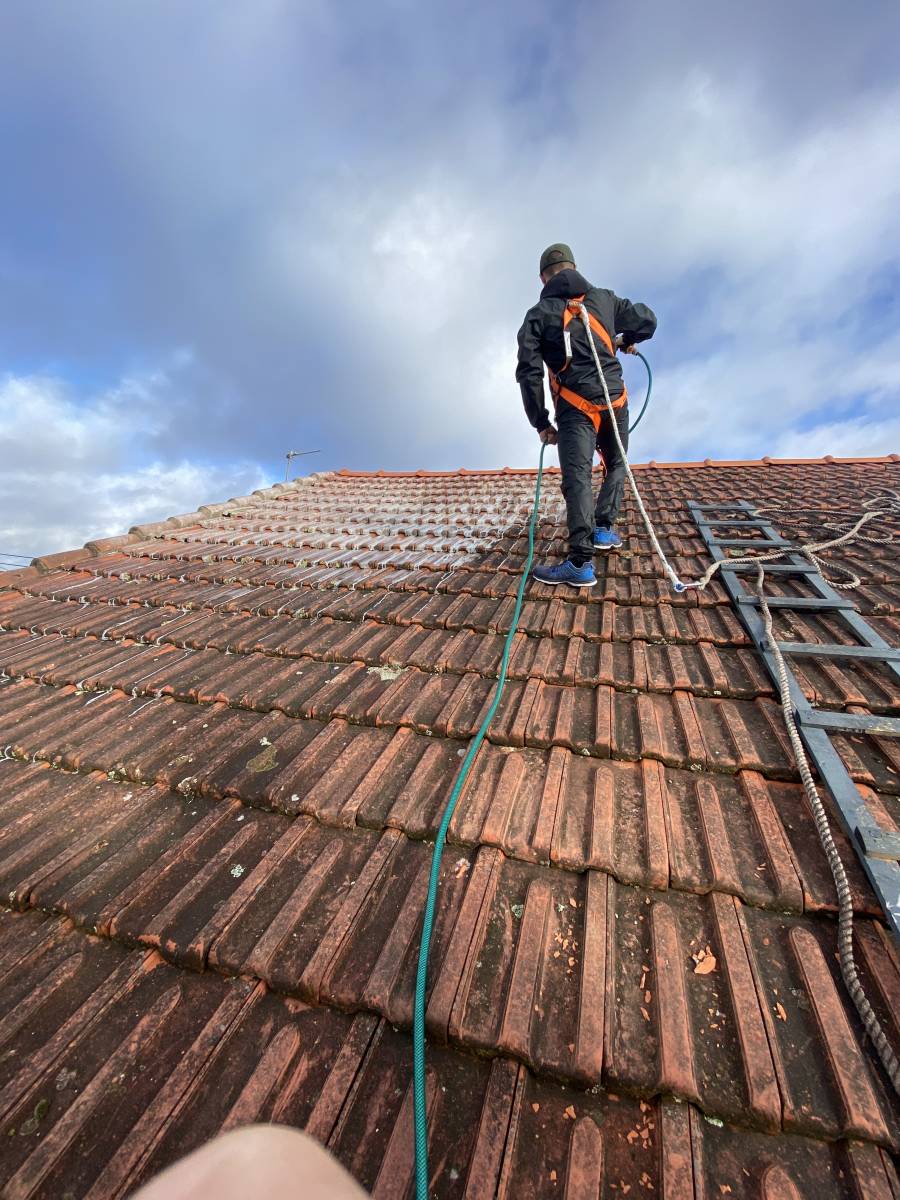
[(676, 582), (681, 585), (890, 504), (867, 1015)]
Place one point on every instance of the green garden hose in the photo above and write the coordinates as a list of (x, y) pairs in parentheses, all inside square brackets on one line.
[(632, 428), (420, 1114)]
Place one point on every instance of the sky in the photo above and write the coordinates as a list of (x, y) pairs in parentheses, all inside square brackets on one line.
[(230, 230)]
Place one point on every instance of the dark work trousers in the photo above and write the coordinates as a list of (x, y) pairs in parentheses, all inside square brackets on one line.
[(577, 443)]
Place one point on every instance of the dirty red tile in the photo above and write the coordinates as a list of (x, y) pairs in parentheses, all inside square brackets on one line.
[(672, 1028), (577, 1144), (731, 834), (657, 726), (56, 983), (728, 1163), (381, 1156), (829, 1084), (280, 1062), (871, 760), (611, 817), (511, 800), (524, 968), (744, 735), (95, 1073), (54, 823), (806, 850), (278, 915)]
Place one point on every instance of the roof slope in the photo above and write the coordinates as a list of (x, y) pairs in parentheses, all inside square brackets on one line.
[(228, 740)]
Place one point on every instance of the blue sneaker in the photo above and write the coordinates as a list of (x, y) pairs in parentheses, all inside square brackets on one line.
[(606, 539), (566, 572)]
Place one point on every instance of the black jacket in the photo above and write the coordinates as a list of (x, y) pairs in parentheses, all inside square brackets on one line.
[(541, 341)]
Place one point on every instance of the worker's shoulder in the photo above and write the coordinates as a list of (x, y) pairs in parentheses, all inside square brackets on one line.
[(600, 294), (544, 307)]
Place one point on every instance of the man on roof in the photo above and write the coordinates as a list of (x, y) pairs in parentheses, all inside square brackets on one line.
[(553, 333)]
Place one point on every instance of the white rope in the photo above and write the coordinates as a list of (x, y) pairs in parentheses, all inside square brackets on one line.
[(810, 549), (677, 583), (823, 827), (849, 973)]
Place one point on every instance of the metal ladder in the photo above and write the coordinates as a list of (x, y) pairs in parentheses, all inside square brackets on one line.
[(878, 849)]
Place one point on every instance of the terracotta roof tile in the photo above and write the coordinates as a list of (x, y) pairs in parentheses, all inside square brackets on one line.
[(228, 739), (134, 1063), (311, 910)]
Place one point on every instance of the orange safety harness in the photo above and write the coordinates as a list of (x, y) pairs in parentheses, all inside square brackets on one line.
[(592, 411)]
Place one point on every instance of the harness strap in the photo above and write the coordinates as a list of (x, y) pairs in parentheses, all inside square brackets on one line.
[(591, 410), (573, 309)]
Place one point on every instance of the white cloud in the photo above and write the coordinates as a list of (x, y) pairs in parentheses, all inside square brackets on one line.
[(754, 242), (844, 439), (424, 237), (341, 210), (67, 477)]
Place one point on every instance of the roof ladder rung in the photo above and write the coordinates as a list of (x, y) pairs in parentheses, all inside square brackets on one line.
[(878, 849), (734, 506), (732, 523), (840, 722), (879, 843), (808, 603), (827, 650), (776, 568), (750, 543)]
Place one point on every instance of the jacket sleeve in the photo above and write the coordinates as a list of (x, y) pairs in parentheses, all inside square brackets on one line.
[(635, 322), (530, 371)]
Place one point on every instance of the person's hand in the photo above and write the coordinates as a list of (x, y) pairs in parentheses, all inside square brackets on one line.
[(548, 436), (257, 1160), (632, 349)]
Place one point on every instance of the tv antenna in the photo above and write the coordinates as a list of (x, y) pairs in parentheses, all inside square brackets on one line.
[(291, 455)]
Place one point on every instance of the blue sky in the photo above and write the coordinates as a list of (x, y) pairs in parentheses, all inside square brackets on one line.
[(228, 230)]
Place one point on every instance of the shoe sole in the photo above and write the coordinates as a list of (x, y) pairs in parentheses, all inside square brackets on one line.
[(605, 549), (568, 582)]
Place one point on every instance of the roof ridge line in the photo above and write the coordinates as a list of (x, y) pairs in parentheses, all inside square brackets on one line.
[(652, 464)]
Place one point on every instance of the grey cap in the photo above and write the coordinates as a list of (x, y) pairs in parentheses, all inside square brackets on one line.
[(557, 253)]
